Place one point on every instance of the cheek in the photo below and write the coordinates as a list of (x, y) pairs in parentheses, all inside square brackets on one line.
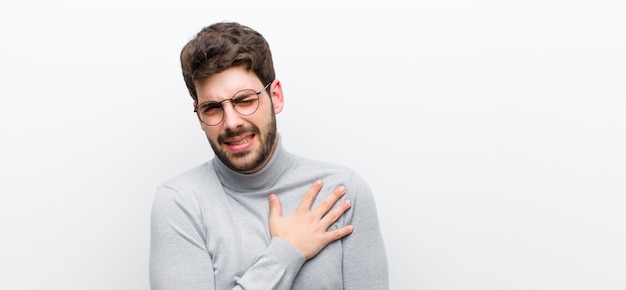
[(211, 132), (263, 114)]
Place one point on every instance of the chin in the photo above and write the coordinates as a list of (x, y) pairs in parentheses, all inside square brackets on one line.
[(243, 161)]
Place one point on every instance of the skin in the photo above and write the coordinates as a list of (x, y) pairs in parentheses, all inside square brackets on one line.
[(306, 229), (246, 143), (243, 143)]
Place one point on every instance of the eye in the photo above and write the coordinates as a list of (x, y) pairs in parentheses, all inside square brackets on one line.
[(210, 108), (245, 98)]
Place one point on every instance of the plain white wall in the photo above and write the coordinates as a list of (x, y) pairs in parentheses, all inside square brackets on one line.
[(492, 132)]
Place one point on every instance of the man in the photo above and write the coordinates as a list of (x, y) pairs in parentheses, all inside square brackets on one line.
[(256, 216)]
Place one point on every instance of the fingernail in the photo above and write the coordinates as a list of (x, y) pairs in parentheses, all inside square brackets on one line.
[(341, 188), (348, 202), (319, 182), (272, 197)]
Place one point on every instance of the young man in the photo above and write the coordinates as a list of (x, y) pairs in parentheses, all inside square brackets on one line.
[(256, 216)]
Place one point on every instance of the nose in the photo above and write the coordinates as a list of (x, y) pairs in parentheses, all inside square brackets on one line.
[(232, 119)]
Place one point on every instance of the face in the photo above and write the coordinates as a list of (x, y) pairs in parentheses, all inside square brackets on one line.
[(243, 143)]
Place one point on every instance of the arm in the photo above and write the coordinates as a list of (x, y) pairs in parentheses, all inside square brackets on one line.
[(178, 255), (179, 258), (364, 256)]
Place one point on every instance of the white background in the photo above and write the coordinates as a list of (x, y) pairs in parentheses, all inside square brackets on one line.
[(492, 132)]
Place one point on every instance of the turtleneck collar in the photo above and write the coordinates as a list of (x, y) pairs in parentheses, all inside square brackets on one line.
[(266, 177)]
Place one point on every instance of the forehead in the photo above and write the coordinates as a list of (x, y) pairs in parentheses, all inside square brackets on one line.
[(225, 84)]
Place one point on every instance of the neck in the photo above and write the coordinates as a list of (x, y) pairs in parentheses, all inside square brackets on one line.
[(280, 160)]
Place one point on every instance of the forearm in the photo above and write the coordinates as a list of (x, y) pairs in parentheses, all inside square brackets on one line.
[(276, 268), (180, 258), (182, 267)]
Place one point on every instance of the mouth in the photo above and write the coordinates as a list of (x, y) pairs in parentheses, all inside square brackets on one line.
[(240, 143), (234, 141)]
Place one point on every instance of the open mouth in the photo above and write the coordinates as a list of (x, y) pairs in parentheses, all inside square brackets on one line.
[(239, 142)]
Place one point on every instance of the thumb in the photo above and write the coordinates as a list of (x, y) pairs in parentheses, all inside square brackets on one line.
[(276, 209)]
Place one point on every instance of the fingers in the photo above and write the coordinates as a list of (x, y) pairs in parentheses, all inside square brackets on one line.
[(334, 214), (340, 233), (309, 230), (309, 196), (328, 202), (276, 209)]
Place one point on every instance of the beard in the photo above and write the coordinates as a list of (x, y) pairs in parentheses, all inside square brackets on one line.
[(247, 161)]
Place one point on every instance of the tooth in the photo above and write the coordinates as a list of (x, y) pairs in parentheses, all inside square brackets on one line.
[(242, 141)]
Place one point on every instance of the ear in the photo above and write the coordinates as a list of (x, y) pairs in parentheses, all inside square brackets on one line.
[(278, 99)]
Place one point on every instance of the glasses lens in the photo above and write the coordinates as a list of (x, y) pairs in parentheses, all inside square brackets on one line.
[(246, 102), (210, 113)]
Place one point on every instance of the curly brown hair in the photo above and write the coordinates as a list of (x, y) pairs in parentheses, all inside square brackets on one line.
[(221, 46)]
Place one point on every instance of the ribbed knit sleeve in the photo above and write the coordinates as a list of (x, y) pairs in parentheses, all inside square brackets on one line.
[(178, 255), (179, 258)]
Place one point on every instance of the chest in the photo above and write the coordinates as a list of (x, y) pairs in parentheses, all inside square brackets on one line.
[(237, 233)]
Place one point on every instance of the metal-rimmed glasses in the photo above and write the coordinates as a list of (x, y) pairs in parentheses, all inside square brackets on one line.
[(244, 102)]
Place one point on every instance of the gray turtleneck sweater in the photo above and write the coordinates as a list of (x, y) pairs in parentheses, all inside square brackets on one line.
[(210, 230)]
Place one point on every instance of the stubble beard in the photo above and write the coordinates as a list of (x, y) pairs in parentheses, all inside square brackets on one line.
[(247, 161)]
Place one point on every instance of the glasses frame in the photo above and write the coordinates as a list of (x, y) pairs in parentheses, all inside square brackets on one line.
[(220, 103)]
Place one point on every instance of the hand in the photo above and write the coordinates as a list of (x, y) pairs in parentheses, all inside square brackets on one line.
[(305, 229)]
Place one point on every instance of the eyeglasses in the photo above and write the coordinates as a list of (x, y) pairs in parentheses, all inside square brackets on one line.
[(245, 103)]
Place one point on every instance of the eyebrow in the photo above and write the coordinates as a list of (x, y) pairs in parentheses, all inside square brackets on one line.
[(231, 96), (236, 95)]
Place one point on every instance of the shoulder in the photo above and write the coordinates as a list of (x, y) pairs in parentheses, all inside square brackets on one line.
[(191, 178), (333, 172), (315, 165), (188, 186)]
